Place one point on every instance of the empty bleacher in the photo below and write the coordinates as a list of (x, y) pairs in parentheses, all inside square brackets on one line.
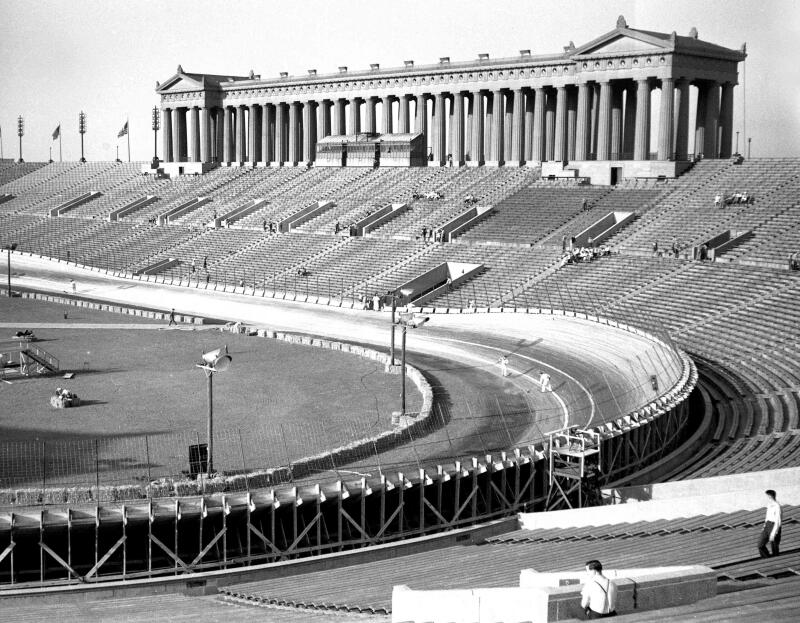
[(723, 541)]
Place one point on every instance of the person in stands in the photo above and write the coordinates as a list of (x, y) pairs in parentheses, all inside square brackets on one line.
[(599, 594), (771, 532)]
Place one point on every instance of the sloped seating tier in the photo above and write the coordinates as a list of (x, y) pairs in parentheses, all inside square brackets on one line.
[(488, 186), (725, 542), (10, 171), (636, 200), (535, 212), (593, 286), (71, 183), (689, 216), (506, 270)]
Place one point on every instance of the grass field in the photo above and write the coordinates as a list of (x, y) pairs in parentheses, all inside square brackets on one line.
[(280, 400)]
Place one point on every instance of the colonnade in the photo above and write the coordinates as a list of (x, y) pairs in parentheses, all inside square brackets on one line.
[(603, 120)]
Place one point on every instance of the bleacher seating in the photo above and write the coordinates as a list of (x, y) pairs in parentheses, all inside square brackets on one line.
[(738, 316), (724, 541)]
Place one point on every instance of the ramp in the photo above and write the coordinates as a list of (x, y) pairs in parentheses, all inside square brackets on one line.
[(304, 215), (178, 211), (74, 203), (132, 207)]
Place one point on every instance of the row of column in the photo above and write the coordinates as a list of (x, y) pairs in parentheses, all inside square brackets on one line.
[(588, 121)]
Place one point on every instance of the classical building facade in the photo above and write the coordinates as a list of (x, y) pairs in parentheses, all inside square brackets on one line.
[(593, 103)]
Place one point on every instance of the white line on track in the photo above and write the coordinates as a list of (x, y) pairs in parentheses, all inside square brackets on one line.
[(534, 360)]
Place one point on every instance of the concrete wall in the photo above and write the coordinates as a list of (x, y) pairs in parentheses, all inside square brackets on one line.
[(673, 500), (553, 597)]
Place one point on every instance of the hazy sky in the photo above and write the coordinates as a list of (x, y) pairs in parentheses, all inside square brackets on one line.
[(104, 57)]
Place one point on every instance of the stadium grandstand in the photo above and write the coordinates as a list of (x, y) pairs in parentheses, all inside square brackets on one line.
[(635, 304)]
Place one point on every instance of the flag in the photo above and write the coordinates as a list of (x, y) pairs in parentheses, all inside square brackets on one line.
[(123, 131), (57, 132)]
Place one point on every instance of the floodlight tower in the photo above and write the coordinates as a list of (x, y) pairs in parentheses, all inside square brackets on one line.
[(405, 292), (213, 361), (408, 320), (82, 130), (156, 128), (20, 133)]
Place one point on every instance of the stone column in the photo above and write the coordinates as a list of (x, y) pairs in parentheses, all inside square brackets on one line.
[(369, 118), (205, 135), (560, 146), (309, 132), (476, 148), (498, 116), (518, 129), (294, 133), (641, 147), (572, 117), (665, 119), (682, 127), (267, 132), (387, 118), (421, 121), (616, 123), (254, 136), (281, 140), (700, 119), (604, 123), (176, 136), (194, 134), (323, 119), (629, 129), (538, 135), (338, 125), (457, 129), (550, 125), (355, 116), (529, 124), (219, 136), (404, 122), (726, 120), (438, 120), (241, 135), (582, 125), (712, 122), (166, 135), (508, 127)]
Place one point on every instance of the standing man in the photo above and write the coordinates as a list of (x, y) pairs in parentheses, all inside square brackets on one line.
[(599, 594), (74, 285), (172, 317), (544, 381), (771, 533), (503, 363)]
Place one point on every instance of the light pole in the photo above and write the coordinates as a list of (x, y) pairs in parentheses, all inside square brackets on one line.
[(156, 128), (407, 320), (737, 142), (405, 292), (20, 133), (10, 248), (82, 130), (213, 361)]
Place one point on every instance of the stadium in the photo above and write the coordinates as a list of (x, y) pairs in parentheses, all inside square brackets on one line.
[(375, 344)]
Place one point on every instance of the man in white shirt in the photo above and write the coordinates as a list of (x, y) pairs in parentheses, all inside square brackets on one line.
[(771, 532), (599, 594), (544, 381)]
